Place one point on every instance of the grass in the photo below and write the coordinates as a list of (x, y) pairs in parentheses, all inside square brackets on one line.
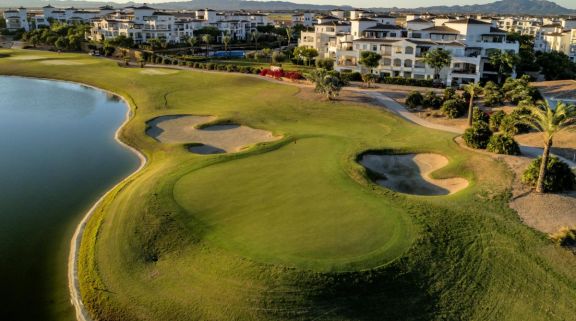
[(294, 230)]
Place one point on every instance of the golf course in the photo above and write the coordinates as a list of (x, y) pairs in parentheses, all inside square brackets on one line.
[(283, 221)]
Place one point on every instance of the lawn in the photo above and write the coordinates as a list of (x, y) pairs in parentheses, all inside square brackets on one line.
[(294, 229)]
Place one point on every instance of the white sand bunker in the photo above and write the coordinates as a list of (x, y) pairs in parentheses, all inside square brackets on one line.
[(26, 57), (214, 139), (158, 71), (63, 62), (410, 174)]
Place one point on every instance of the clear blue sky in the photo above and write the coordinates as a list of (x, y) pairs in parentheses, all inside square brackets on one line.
[(394, 3)]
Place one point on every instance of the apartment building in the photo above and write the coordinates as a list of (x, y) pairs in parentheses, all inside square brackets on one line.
[(16, 19), (403, 48)]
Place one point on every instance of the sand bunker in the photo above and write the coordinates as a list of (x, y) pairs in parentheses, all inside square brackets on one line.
[(410, 174), (215, 139), (158, 71), (26, 57)]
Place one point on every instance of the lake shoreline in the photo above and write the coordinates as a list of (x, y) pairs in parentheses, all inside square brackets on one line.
[(73, 281)]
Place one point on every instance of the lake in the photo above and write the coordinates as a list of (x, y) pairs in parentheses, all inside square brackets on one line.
[(58, 155)]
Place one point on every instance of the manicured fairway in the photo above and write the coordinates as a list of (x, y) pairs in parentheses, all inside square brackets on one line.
[(294, 229)]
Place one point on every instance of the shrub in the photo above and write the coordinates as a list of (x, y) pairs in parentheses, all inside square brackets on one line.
[(480, 116), (293, 75), (453, 108), (210, 66), (278, 57), (503, 144), (432, 100), (449, 94), (256, 71), (496, 120), (559, 176), (492, 94), (407, 81), (231, 68), (351, 76), (325, 63), (414, 99), (511, 123), (221, 67), (478, 135)]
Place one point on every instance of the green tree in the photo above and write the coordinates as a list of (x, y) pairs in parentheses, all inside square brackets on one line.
[(473, 90), (370, 60), (255, 36), (503, 61), (437, 59), (207, 39), (192, 41), (327, 83), (289, 35), (556, 65), (549, 121), (226, 39), (305, 54)]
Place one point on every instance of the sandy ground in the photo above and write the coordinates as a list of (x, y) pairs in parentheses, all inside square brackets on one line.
[(158, 71), (547, 213), (558, 89), (213, 139), (410, 173), (564, 143)]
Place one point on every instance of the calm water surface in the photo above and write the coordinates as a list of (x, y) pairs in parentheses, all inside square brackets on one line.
[(57, 157)]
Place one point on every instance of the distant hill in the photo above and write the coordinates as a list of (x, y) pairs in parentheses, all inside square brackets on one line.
[(531, 7)]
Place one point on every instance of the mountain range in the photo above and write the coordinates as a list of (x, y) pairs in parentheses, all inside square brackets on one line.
[(530, 7)]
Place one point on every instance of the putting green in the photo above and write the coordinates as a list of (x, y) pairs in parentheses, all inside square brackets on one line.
[(250, 206)]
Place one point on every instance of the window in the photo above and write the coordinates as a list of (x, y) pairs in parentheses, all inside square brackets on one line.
[(416, 35), (386, 62), (374, 48), (397, 62), (409, 50), (392, 35), (408, 63)]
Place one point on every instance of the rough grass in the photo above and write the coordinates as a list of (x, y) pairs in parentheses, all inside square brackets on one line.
[(294, 230)]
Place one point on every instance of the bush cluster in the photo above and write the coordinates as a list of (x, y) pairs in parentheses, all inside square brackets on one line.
[(351, 76), (503, 144), (496, 120), (277, 74), (559, 176), (453, 108), (414, 99), (431, 100), (478, 135), (407, 81)]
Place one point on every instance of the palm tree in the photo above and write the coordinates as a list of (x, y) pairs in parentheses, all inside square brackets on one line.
[(437, 59), (226, 39), (192, 41), (207, 39), (326, 83), (549, 122), (503, 61), (289, 34), (473, 90), (255, 36)]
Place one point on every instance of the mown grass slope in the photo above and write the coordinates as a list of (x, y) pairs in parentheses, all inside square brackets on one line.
[(294, 230)]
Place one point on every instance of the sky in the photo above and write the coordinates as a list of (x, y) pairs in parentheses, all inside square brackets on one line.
[(395, 3)]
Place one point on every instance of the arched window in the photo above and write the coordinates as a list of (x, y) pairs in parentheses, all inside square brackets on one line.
[(409, 50), (386, 62), (397, 62), (407, 63)]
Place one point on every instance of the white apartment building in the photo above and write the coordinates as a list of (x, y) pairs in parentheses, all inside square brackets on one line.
[(16, 19), (305, 19), (559, 36), (144, 23), (470, 42)]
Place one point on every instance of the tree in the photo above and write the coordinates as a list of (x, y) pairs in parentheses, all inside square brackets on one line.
[(207, 39), (473, 90), (226, 39), (192, 41), (305, 54), (503, 61), (369, 79), (289, 35), (326, 83), (549, 122), (255, 36), (556, 65), (437, 59), (370, 60)]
